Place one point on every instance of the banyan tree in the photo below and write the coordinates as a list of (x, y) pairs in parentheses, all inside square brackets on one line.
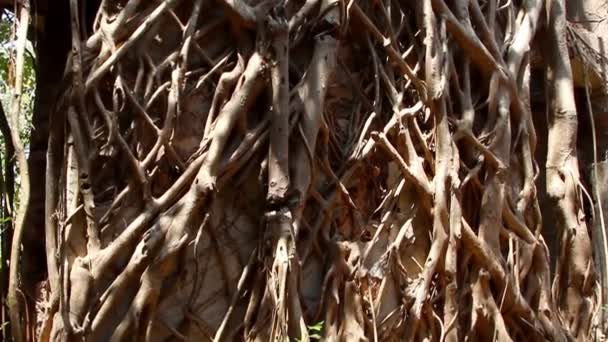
[(343, 170)]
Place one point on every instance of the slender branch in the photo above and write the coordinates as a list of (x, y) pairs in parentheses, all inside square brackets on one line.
[(15, 308)]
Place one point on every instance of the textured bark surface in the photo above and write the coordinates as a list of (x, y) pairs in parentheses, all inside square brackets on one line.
[(243, 170)]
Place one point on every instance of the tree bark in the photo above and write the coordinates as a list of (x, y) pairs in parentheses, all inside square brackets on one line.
[(240, 170)]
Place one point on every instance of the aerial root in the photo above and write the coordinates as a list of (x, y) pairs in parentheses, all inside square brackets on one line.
[(386, 197)]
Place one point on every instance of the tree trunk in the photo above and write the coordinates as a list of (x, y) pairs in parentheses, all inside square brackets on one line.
[(262, 170)]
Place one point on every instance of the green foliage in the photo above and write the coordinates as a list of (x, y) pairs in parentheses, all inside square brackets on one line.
[(5, 34), (314, 331), (7, 53)]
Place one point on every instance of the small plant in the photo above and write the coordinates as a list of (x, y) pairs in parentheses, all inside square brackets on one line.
[(314, 332)]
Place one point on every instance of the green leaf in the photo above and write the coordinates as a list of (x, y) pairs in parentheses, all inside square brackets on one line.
[(317, 327)]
